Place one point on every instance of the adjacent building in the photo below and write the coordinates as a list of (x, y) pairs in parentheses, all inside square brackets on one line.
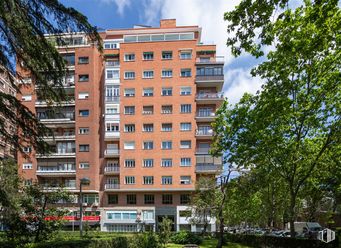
[(137, 126)]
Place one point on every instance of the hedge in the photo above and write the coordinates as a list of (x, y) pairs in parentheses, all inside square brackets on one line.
[(277, 242)]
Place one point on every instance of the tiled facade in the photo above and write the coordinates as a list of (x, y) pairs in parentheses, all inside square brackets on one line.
[(138, 127)]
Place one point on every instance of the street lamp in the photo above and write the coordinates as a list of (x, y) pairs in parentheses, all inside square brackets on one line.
[(82, 181)]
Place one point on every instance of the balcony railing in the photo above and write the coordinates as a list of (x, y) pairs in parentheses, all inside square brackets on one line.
[(207, 167), (204, 131), (56, 169), (211, 60), (112, 63), (209, 78), (109, 152), (205, 96), (111, 169), (69, 185), (205, 114), (111, 186), (47, 117), (202, 150), (112, 99)]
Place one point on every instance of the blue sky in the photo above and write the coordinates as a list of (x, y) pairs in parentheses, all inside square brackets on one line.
[(208, 14)]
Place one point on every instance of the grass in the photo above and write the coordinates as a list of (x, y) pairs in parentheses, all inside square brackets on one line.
[(211, 243)]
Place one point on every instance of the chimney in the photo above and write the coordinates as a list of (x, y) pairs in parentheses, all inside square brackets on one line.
[(168, 23)]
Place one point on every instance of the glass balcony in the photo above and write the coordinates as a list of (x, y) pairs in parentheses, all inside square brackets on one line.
[(210, 95)]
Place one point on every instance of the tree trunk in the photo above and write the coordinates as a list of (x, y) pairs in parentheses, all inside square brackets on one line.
[(292, 214), (221, 231)]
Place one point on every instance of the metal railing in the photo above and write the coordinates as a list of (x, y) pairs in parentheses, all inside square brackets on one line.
[(205, 114), (202, 150), (112, 99), (210, 60), (204, 131), (57, 169), (207, 167), (210, 95), (209, 78), (111, 186), (112, 152), (66, 115), (111, 169)]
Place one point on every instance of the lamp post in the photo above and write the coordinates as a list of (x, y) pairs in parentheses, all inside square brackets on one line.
[(82, 181)]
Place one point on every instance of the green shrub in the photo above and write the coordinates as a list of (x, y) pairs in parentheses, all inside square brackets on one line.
[(184, 237), (145, 240), (277, 242)]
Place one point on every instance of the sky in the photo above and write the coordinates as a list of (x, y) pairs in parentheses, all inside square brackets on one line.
[(208, 14)]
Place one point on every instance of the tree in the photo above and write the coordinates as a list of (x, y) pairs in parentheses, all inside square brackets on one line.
[(23, 25), (29, 213), (165, 230), (296, 119)]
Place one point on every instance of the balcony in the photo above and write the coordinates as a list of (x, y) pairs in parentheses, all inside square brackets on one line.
[(60, 137), (71, 153), (111, 135), (111, 186), (208, 168), (56, 171), (71, 102), (204, 133), (66, 119), (112, 99), (205, 116), (54, 186), (111, 153), (209, 98), (110, 170), (218, 60), (112, 63), (202, 151)]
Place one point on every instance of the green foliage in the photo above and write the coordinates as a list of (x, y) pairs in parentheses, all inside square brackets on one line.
[(23, 27), (278, 242), (145, 240), (165, 230), (185, 237), (291, 127)]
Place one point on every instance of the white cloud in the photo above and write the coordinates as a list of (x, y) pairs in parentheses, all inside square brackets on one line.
[(210, 16), (120, 4)]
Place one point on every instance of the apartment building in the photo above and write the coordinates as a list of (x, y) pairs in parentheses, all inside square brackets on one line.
[(138, 126), (6, 148)]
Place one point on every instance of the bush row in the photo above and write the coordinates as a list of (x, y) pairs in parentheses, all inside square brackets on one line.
[(185, 237), (277, 242)]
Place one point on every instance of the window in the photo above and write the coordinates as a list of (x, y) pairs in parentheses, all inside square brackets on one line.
[(129, 92), (26, 98), (166, 91), (148, 163), (185, 199), (84, 165), (112, 199), (185, 108), (167, 73), (148, 110), (69, 59), (166, 162), (185, 55), (185, 126), (129, 128), (210, 71), (83, 130), (166, 180), (148, 74), (149, 199), (167, 55), (148, 180), (166, 109), (129, 75), (112, 127), (129, 57), (148, 56), (185, 179), (83, 95), (167, 199), (112, 74), (90, 198), (27, 149), (111, 110), (148, 92), (83, 60), (148, 145), (129, 180), (83, 78), (166, 127), (185, 144), (184, 91), (131, 199), (129, 110), (84, 148), (167, 145), (148, 127), (185, 162), (110, 45), (129, 145), (185, 73), (27, 166), (148, 215), (129, 163), (84, 113)]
